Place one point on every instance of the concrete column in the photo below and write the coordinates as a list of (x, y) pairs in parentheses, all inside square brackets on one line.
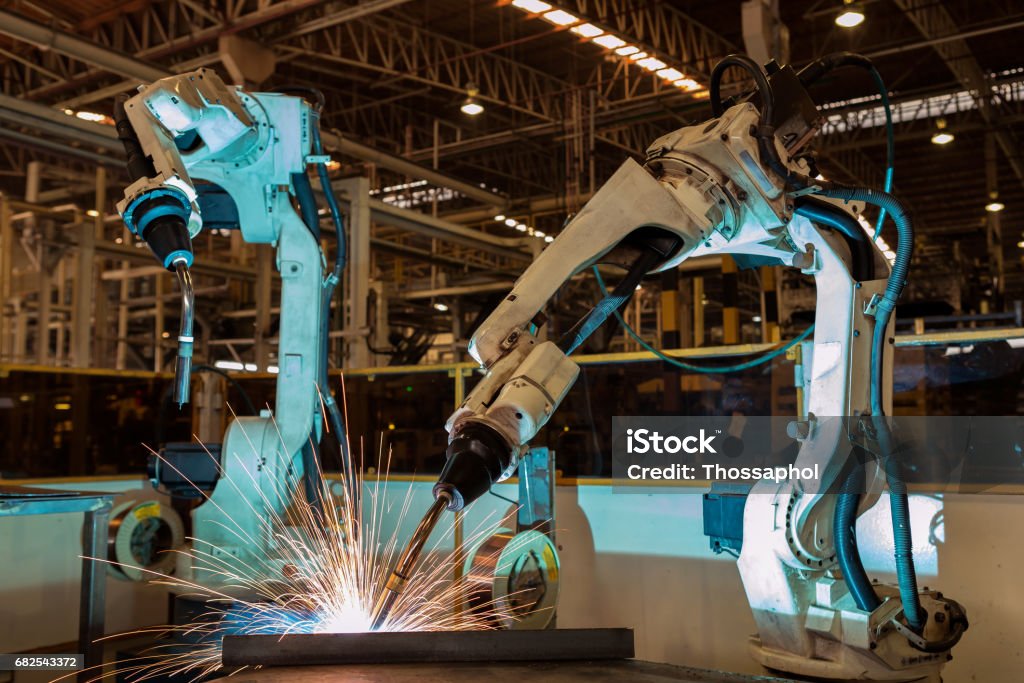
[(357, 190), (44, 292), (81, 315)]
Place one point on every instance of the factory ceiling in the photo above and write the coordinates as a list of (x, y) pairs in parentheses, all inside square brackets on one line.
[(561, 111)]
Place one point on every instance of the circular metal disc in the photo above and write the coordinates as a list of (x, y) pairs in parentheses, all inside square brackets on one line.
[(516, 577), (141, 534)]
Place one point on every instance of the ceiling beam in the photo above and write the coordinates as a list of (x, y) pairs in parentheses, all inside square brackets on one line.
[(934, 21)]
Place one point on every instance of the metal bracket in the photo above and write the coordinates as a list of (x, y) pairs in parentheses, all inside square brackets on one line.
[(915, 640), (871, 307), (810, 189), (536, 491)]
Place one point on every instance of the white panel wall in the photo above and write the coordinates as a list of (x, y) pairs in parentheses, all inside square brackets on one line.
[(627, 560), (39, 570)]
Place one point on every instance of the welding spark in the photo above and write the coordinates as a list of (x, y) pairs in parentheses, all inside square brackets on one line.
[(332, 565)]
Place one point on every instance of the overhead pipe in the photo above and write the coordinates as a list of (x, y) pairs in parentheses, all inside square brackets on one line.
[(46, 38), (336, 142)]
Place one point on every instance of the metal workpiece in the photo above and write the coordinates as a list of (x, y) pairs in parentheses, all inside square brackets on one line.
[(432, 646), (600, 671), (407, 562), (183, 364)]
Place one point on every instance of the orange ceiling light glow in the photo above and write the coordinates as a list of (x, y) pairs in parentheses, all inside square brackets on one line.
[(616, 45)]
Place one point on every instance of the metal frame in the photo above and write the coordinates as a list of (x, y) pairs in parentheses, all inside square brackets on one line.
[(20, 501)]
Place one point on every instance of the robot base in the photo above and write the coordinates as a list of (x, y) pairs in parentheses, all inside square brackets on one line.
[(846, 664)]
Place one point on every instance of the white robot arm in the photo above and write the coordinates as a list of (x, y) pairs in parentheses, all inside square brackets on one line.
[(715, 188)]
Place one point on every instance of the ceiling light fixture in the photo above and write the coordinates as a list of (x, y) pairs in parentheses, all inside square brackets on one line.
[(994, 205), (471, 107), (687, 84), (607, 40), (670, 74), (549, 239), (91, 116), (850, 16), (500, 218), (559, 18), (652, 64), (587, 30), (942, 136), (611, 42), (441, 307), (535, 6), (511, 222)]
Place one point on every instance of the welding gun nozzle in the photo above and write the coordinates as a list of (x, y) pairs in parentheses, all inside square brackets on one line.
[(407, 562), (183, 365)]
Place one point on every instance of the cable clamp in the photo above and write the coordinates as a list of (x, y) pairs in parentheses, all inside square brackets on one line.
[(810, 189), (318, 158), (915, 639), (871, 307)]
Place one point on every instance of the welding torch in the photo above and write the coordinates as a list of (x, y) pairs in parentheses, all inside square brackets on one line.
[(477, 458), (183, 364), (407, 562), (158, 212)]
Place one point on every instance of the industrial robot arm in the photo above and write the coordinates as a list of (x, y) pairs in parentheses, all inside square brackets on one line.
[(734, 184), (256, 147)]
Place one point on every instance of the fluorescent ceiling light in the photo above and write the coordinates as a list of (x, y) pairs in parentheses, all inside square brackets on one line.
[(90, 116), (549, 239), (500, 218), (611, 42), (638, 55), (687, 84), (942, 138), (628, 50), (587, 30), (538, 233), (511, 222), (670, 74), (560, 18), (652, 64), (995, 207), (521, 227), (441, 307), (531, 5)]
